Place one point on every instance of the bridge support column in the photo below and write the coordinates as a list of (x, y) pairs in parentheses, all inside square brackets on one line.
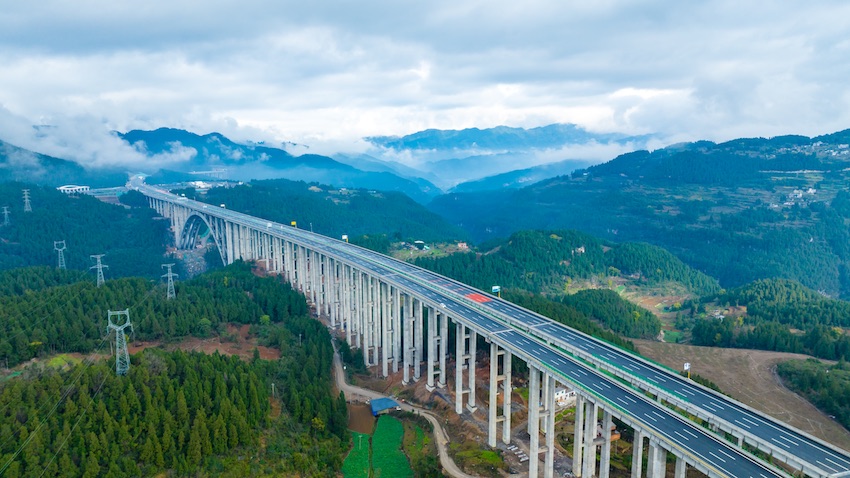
[(549, 427), (443, 343), (656, 464), (432, 358), (359, 299), (313, 264), (406, 338), (346, 302), (578, 436), (396, 315), (588, 462), (460, 358), (495, 379), (364, 312), (377, 325), (333, 281), (473, 339), (386, 328), (637, 455), (533, 421), (605, 454), (681, 468), (506, 397), (417, 340)]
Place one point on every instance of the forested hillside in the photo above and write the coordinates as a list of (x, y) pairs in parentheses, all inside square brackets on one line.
[(780, 315), (739, 211), (546, 261), (334, 212), (133, 240), (827, 386), (174, 412), (72, 318)]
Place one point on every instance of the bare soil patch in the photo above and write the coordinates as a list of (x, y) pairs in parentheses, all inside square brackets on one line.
[(360, 418), (242, 345), (750, 377)]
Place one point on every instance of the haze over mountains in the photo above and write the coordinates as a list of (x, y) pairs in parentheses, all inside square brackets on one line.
[(422, 165)]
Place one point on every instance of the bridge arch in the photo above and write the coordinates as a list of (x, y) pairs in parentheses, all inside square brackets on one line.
[(193, 228)]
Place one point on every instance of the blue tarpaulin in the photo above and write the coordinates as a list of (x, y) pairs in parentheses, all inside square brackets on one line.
[(381, 404)]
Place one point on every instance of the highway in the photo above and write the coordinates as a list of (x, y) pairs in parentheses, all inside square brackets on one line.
[(702, 448)]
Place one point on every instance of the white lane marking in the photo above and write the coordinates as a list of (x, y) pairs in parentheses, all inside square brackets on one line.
[(689, 432), (742, 424), (793, 442), (683, 437), (728, 455), (715, 456), (749, 421)]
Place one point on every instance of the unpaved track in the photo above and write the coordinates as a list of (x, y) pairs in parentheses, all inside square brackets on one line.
[(440, 436), (750, 377)]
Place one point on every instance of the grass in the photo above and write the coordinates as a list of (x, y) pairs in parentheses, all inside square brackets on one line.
[(388, 461), (356, 464), (672, 336), (63, 360)]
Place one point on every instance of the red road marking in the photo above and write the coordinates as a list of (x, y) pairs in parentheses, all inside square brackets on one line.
[(478, 297)]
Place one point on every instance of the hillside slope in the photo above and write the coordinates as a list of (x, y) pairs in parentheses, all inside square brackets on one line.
[(733, 210)]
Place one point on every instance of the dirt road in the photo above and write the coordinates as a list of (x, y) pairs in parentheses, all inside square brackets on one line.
[(440, 436)]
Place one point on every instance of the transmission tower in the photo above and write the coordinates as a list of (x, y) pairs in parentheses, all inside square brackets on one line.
[(5, 215), (99, 268), (27, 205), (170, 275), (122, 357), (59, 246)]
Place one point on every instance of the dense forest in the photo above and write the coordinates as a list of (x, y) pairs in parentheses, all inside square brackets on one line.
[(780, 315), (174, 411), (739, 211), (72, 318), (133, 240), (547, 261), (621, 316), (333, 212), (827, 386)]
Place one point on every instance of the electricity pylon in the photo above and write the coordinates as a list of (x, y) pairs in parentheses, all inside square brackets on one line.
[(5, 215), (59, 246), (99, 266), (170, 275), (27, 205), (122, 357)]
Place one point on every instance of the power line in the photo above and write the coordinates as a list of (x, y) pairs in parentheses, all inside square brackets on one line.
[(59, 246), (27, 205), (5, 215), (170, 275), (122, 357), (99, 266)]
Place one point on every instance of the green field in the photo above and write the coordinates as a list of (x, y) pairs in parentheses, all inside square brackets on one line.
[(387, 459), (356, 464)]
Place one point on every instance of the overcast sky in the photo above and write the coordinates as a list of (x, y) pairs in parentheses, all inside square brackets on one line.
[(334, 71)]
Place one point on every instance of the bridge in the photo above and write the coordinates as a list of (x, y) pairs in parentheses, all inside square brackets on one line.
[(399, 315)]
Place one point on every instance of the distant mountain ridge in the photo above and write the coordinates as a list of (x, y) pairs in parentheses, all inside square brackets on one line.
[(19, 164), (522, 177), (257, 161), (502, 138), (452, 157)]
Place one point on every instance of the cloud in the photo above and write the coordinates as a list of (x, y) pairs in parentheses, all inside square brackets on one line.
[(329, 73)]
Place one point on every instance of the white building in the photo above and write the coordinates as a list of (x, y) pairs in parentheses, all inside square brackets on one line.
[(564, 397), (73, 189)]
